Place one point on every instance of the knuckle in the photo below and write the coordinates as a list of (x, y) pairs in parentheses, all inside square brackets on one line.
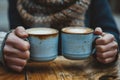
[(103, 41), (116, 52), (112, 37), (16, 68), (24, 62), (26, 45), (115, 45), (8, 40), (11, 38), (5, 49), (100, 48), (18, 28), (27, 55), (20, 31)]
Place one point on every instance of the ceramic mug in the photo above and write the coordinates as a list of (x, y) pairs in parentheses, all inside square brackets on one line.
[(77, 42), (43, 43)]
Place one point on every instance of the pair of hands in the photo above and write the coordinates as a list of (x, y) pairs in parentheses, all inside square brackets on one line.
[(16, 50)]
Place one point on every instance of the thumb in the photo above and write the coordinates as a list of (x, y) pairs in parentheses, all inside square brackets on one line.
[(21, 32), (98, 31)]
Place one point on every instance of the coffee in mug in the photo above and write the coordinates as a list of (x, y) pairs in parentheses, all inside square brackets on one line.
[(43, 43), (77, 42)]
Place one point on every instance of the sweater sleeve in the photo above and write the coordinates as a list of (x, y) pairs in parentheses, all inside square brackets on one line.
[(2, 36), (101, 16)]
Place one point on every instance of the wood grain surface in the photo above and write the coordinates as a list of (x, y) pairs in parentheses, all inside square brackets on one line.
[(65, 69)]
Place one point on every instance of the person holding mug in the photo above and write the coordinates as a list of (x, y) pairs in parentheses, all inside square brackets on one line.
[(97, 13)]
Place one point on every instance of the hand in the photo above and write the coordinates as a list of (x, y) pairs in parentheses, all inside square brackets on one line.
[(16, 50), (106, 47)]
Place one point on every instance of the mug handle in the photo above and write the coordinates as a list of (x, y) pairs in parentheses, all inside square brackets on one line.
[(93, 44), (26, 39)]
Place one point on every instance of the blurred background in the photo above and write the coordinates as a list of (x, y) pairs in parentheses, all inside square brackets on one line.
[(114, 4), (3, 15)]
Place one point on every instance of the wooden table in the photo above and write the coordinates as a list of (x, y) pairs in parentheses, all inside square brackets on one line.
[(64, 69)]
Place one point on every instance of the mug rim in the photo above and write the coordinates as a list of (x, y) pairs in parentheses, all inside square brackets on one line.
[(63, 30), (55, 31)]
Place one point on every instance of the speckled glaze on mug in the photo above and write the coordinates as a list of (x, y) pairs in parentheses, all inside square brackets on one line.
[(77, 42), (43, 44)]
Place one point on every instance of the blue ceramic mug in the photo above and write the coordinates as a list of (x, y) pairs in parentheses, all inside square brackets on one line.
[(43, 43), (77, 42)]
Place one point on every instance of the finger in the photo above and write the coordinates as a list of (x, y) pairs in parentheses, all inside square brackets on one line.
[(103, 48), (21, 32), (105, 61), (16, 68), (107, 38), (107, 54), (17, 42), (15, 61), (98, 31), (10, 51)]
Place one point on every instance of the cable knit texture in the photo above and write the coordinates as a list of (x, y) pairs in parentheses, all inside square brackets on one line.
[(57, 13)]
